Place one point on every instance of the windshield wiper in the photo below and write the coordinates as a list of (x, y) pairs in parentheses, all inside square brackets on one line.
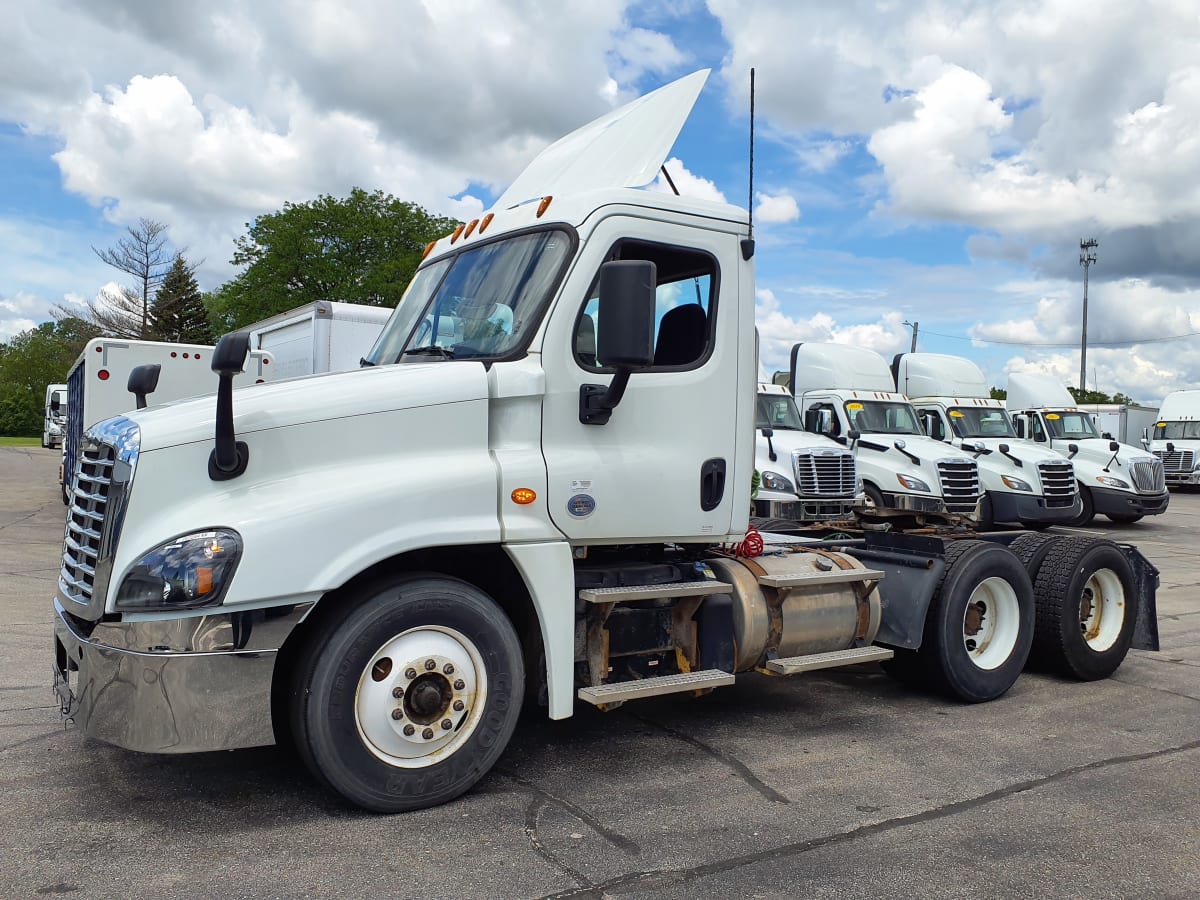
[(431, 350), (363, 361)]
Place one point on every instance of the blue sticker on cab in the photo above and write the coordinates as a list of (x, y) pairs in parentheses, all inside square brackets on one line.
[(581, 506)]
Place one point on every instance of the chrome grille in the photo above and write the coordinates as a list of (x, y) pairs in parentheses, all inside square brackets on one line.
[(960, 484), (107, 455), (1177, 461), (824, 473), (1148, 476), (1058, 483)]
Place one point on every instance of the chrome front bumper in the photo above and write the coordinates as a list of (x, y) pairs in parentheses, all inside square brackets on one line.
[(1177, 478), (172, 686), (808, 509)]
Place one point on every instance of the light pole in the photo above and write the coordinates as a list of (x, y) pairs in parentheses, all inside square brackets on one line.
[(1086, 258), (913, 326)]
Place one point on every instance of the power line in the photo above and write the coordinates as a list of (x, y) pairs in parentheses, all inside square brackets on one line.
[(1126, 343)]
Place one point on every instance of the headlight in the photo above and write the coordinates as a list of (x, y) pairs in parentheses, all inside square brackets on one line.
[(913, 484), (1111, 482), (1015, 484), (773, 481), (188, 572)]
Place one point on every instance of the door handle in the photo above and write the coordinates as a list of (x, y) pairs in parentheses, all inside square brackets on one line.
[(712, 484)]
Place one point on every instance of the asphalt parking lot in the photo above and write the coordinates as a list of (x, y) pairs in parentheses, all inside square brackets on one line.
[(827, 785)]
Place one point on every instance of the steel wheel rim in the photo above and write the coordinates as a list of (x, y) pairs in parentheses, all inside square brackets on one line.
[(1102, 610), (409, 729), (991, 623)]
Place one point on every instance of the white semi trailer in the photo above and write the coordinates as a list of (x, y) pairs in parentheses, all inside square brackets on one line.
[(1175, 437), (1121, 482), (380, 566), (1022, 482), (319, 337)]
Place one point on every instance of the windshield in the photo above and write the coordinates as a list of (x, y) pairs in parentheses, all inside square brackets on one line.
[(778, 411), (1070, 423), (478, 304), (882, 417), (981, 421), (1177, 431)]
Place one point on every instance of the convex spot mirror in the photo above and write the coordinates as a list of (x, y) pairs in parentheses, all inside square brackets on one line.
[(625, 321)]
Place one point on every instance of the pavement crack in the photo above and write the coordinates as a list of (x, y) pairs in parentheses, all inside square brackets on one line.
[(1151, 687), (30, 740), (536, 805), (658, 879), (738, 767), (615, 838)]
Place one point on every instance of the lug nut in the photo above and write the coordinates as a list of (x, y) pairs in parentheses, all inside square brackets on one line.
[(427, 734), (430, 665), (410, 673), (397, 692), (459, 684), (397, 714), (409, 730), (458, 706), (446, 724), (448, 669)]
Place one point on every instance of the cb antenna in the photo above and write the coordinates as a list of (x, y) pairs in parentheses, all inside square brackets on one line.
[(748, 241)]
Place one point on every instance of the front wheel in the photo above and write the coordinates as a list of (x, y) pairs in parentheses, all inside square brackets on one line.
[(411, 697), (1123, 519), (1088, 511)]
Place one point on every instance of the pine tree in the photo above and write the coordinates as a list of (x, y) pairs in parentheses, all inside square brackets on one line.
[(179, 313)]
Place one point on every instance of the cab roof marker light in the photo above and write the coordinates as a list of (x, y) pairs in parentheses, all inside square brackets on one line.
[(457, 233), (544, 205), (485, 222), (470, 228), (428, 249)]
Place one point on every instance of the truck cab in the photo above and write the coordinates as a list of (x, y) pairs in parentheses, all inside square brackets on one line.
[(803, 477), (1023, 483), (847, 394), (1175, 437), (54, 419), (1116, 480)]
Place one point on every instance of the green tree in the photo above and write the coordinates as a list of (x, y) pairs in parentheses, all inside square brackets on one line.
[(1100, 397), (999, 393), (179, 312), (33, 359), (359, 249)]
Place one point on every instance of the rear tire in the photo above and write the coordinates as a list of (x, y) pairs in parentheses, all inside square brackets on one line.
[(1031, 549), (1086, 600), (1089, 509), (980, 624), (456, 661)]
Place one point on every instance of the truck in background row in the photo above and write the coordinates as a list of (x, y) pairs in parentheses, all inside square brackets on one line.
[(1023, 483), (97, 385), (1125, 423), (847, 394), (54, 415), (1175, 437), (1117, 480), (803, 477), (319, 337), (383, 566)]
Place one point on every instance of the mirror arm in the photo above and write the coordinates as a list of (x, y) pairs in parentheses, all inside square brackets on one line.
[(229, 456), (597, 401)]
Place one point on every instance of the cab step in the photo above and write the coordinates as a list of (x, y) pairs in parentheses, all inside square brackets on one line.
[(794, 665), (603, 694), (836, 576), (653, 591)]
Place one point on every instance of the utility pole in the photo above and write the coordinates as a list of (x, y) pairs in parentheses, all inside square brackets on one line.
[(1086, 258), (914, 326)]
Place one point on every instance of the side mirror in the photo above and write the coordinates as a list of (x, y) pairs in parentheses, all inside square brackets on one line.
[(1113, 445), (825, 421), (143, 380), (1146, 438), (767, 432), (1107, 435), (624, 333), (1003, 448), (1019, 426), (55, 406), (1170, 447), (229, 456), (1073, 449)]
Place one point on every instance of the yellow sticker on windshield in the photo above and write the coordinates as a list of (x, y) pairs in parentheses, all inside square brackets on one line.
[(955, 414), (1053, 416), (854, 406), (1160, 424)]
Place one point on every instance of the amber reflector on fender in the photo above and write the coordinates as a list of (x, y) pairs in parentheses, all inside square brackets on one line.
[(524, 496), (543, 206)]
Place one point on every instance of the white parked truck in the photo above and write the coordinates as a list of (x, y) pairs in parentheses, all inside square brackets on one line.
[(1117, 480), (1175, 437), (319, 337), (1125, 423), (99, 388), (54, 416), (1022, 483), (803, 477), (847, 394), (383, 566)]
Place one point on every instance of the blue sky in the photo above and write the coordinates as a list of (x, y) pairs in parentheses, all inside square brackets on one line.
[(921, 162)]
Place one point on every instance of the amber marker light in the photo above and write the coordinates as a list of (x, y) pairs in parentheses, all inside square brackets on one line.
[(470, 227), (524, 496), (543, 206), (428, 249), (487, 220), (457, 234)]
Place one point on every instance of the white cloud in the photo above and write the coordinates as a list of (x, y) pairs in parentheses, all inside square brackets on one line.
[(780, 209), (688, 184)]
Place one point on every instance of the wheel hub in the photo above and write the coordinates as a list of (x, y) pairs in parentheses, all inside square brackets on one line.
[(1086, 606), (973, 622)]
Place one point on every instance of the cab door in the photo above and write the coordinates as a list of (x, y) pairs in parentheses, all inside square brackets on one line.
[(666, 465)]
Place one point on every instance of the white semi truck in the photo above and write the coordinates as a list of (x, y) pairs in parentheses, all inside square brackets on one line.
[(1023, 483), (847, 393), (319, 337), (381, 567), (1121, 482), (803, 477), (54, 417), (98, 385), (1175, 437)]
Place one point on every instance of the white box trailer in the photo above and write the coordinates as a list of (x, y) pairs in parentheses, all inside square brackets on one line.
[(320, 337), (1125, 423)]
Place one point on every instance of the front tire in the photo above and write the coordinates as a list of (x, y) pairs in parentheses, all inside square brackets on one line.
[(1089, 509), (411, 697), (1123, 519)]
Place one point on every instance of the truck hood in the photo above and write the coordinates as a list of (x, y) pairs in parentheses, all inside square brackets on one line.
[(1094, 454), (785, 442), (314, 398), (1021, 449), (927, 449)]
